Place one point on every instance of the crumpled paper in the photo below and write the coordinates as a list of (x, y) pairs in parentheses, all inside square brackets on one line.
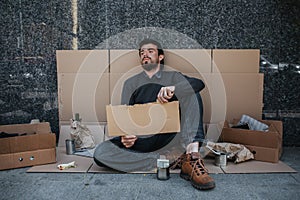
[(237, 152)]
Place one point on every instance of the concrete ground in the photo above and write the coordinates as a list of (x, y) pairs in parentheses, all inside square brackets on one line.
[(17, 184)]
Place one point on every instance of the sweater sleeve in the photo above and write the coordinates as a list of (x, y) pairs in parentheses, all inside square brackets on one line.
[(185, 85), (126, 93)]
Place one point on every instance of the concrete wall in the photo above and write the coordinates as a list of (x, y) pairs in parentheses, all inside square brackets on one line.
[(32, 31)]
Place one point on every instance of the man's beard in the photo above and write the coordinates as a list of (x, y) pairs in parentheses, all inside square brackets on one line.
[(149, 66)]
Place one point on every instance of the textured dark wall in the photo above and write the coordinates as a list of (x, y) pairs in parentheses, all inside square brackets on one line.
[(31, 32)]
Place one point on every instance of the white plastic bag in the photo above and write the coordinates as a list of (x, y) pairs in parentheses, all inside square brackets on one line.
[(82, 135)]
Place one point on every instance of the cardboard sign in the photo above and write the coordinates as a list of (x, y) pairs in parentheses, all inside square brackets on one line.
[(143, 119)]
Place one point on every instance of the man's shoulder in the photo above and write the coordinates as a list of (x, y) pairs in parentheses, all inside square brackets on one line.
[(171, 73), (134, 77)]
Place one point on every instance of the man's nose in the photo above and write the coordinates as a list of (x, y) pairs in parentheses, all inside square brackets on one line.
[(146, 53)]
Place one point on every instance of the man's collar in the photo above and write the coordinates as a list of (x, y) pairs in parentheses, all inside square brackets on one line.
[(157, 74)]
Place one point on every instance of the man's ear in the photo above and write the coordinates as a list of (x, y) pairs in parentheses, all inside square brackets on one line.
[(161, 57)]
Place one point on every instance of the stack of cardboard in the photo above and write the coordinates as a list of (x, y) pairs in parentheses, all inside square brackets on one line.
[(90, 80)]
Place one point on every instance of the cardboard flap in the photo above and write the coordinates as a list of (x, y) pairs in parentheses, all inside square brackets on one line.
[(43, 127), (143, 119)]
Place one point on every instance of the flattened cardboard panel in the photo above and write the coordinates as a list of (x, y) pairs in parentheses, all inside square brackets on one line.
[(185, 61), (209, 164), (237, 94), (257, 167), (123, 61), (82, 61), (143, 119), (235, 60), (82, 163), (83, 93), (189, 60), (97, 131)]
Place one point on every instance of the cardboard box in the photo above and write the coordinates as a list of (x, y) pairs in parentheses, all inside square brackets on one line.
[(266, 146), (143, 119), (37, 147)]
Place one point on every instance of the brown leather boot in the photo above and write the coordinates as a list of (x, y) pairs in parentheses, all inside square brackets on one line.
[(193, 169)]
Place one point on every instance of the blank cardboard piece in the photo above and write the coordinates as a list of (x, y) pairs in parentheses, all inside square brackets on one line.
[(143, 119), (254, 166), (235, 60), (183, 60), (82, 163)]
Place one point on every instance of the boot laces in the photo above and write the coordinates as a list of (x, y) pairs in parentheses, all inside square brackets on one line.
[(178, 162), (198, 167)]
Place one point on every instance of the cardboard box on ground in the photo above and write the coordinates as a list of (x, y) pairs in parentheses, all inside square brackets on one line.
[(266, 146), (35, 146)]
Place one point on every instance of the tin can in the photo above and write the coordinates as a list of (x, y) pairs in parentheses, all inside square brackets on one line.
[(221, 160), (70, 146), (163, 171)]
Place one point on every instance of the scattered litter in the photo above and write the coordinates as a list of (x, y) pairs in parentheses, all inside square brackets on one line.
[(66, 166), (239, 153)]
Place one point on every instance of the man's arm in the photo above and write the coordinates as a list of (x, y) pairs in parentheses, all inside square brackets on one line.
[(186, 85), (126, 93)]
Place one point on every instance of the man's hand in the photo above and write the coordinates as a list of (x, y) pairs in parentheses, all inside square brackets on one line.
[(128, 140), (165, 94)]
